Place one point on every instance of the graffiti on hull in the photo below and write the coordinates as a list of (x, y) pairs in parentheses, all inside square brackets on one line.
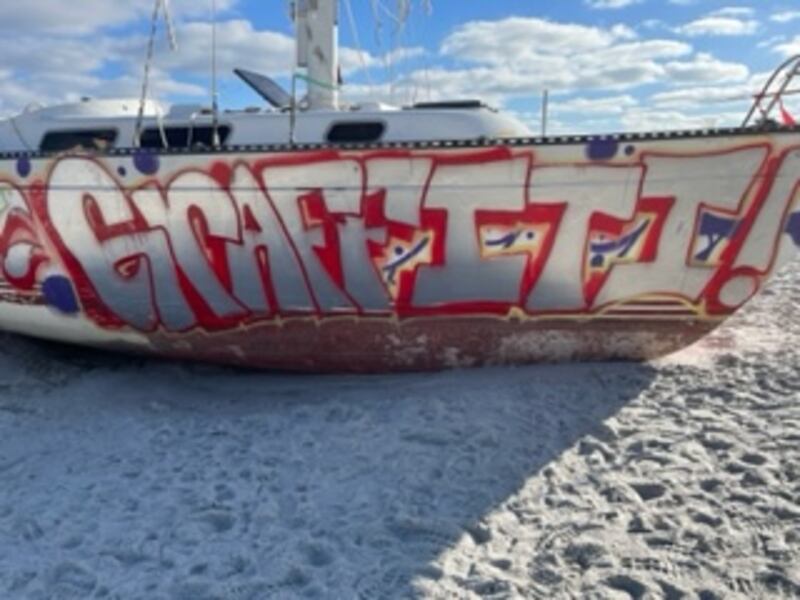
[(223, 242)]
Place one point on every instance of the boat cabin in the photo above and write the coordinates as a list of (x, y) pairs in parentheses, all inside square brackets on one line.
[(102, 125)]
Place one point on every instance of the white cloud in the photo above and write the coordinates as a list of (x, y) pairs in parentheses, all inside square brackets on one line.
[(786, 16), (58, 51), (654, 24), (705, 68), (239, 44), (716, 98), (623, 32), (491, 41), (790, 48), (502, 65), (610, 4), (63, 56), (88, 16), (611, 105), (702, 97), (54, 68), (719, 26), (771, 42), (654, 119), (727, 21), (567, 56), (734, 11)]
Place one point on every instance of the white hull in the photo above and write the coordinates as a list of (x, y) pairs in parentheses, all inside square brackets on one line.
[(402, 257)]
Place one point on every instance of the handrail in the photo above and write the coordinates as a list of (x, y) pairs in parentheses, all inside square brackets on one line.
[(791, 68)]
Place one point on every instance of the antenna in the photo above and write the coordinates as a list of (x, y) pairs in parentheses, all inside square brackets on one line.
[(214, 91)]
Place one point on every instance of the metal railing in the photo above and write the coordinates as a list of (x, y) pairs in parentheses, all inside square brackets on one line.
[(774, 90)]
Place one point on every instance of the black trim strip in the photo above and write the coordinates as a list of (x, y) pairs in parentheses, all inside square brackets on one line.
[(558, 140)]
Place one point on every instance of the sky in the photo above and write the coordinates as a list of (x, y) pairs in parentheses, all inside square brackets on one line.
[(609, 65)]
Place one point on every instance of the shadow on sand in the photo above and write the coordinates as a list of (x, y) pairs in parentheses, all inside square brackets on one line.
[(162, 480)]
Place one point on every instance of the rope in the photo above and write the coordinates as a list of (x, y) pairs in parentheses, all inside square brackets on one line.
[(13, 121), (145, 83), (318, 83)]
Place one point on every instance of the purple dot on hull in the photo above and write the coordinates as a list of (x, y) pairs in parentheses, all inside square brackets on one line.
[(793, 228), (602, 149), (122, 171), (146, 163), (24, 166), (58, 293), (630, 150)]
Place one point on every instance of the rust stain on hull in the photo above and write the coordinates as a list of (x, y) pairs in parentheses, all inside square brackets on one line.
[(431, 344)]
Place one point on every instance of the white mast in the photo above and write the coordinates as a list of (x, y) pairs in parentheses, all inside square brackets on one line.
[(317, 23)]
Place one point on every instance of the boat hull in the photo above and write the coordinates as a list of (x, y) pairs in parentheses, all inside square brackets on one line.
[(374, 345), (404, 258)]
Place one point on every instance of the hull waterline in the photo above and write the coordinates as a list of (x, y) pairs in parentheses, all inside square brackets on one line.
[(417, 256)]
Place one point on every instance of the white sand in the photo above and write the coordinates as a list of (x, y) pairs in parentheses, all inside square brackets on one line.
[(124, 478)]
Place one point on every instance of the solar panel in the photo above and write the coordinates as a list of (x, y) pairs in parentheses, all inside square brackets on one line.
[(265, 87)]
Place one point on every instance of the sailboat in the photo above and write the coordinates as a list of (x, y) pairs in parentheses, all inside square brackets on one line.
[(310, 235)]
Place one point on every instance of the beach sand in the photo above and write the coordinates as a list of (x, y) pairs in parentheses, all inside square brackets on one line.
[(129, 478)]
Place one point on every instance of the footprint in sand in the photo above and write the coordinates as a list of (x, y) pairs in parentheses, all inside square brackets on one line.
[(626, 583), (649, 491), (70, 580)]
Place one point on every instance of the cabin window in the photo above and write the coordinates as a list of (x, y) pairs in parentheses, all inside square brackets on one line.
[(86, 139), (184, 137), (451, 105), (356, 132)]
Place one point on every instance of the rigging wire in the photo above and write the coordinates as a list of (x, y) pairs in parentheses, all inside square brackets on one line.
[(361, 54), (396, 17), (172, 37), (15, 127), (293, 7), (159, 6), (400, 17), (380, 12), (377, 21), (137, 134), (214, 90), (418, 33)]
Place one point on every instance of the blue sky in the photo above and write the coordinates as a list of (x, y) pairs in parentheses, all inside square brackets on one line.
[(609, 64)]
